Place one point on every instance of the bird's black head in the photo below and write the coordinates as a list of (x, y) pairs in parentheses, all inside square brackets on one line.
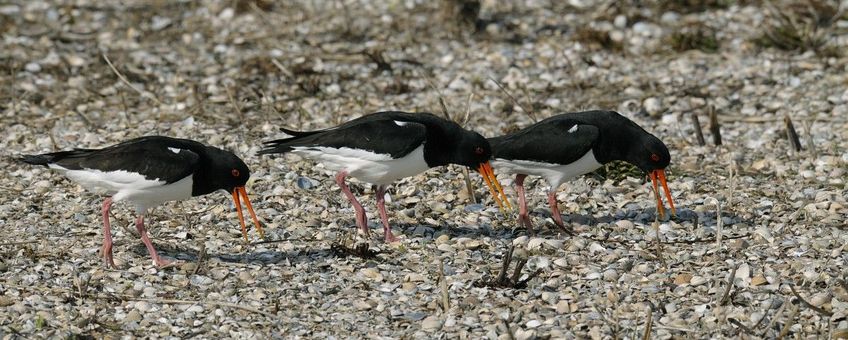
[(472, 150), (234, 173), (222, 170), (649, 153)]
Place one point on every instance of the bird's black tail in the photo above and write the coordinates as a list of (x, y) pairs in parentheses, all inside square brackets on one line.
[(285, 145), (48, 158)]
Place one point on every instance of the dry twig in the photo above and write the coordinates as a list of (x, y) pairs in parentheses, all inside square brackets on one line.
[(443, 286), (127, 82), (529, 112), (649, 324), (791, 134), (715, 128), (819, 310), (725, 298), (696, 124)]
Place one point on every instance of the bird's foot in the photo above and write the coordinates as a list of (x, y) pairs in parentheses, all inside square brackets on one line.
[(390, 238), (567, 229), (108, 261), (163, 263), (524, 221)]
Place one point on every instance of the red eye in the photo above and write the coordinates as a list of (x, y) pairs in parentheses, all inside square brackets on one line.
[(235, 173), (655, 158), (478, 150)]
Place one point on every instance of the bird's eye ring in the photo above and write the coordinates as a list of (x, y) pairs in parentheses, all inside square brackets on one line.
[(655, 158), (478, 150), (235, 172)]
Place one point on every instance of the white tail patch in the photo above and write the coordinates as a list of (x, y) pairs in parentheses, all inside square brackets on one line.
[(573, 129), (174, 150), (399, 123)]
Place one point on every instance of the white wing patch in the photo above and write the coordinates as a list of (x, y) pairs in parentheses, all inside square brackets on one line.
[(573, 129), (130, 186), (343, 155), (174, 150), (368, 166), (555, 174), (399, 123)]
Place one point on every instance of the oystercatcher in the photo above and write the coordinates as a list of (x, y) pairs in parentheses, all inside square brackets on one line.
[(383, 147), (565, 146), (149, 171)]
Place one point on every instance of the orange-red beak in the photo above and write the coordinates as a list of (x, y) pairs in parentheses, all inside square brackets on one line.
[(659, 175), (240, 191), (495, 188)]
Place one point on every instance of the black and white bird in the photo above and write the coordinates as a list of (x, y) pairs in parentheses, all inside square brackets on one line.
[(383, 147), (149, 171), (568, 145)]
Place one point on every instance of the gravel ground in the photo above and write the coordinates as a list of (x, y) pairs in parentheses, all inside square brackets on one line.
[(758, 248)]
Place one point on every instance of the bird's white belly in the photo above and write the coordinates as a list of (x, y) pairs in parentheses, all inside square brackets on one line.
[(554, 174), (129, 186), (380, 169)]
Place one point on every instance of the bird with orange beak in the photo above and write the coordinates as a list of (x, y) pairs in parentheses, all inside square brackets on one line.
[(568, 145), (148, 171), (383, 147)]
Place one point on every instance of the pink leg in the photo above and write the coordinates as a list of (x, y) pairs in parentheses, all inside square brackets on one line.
[(361, 219), (106, 250), (381, 205), (523, 218), (555, 212), (139, 225)]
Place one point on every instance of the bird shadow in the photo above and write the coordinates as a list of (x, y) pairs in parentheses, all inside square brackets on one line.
[(427, 232), (635, 214), (263, 257)]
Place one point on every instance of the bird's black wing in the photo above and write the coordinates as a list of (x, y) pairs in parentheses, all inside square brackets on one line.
[(394, 137), (156, 158), (557, 142)]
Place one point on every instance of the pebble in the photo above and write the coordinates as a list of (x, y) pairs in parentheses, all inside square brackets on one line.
[(432, 323), (132, 316), (33, 67), (653, 106)]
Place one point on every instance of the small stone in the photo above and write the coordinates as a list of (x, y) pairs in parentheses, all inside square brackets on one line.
[(142, 306), (624, 224), (362, 305), (596, 248), (653, 106), (133, 316), (562, 307), (759, 279), (535, 243), (246, 277), (682, 279), (447, 248), (472, 245), (561, 262), (820, 299), (697, 280), (33, 67), (533, 323), (431, 323), (414, 277), (372, 273), (520, 241)]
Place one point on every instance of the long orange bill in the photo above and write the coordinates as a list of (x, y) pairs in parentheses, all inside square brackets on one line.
[(237, 192), (495, 188), (243, 192), (659, 176)]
